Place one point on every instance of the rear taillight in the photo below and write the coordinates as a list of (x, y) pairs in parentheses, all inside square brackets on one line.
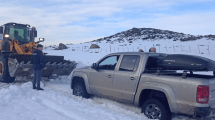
[(202, 94)]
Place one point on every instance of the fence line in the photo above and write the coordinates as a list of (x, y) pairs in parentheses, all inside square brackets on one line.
[(197, 49)]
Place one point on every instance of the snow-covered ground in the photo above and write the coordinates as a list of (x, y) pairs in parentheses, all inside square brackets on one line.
[(57, 103), (19, 101)]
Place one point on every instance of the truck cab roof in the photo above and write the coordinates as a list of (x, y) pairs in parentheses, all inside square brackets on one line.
[(137, 53)]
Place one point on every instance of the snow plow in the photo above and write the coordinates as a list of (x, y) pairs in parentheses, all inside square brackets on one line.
[(17, 45)]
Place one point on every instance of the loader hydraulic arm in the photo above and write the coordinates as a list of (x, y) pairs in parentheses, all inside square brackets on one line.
[(14, 46), (26, 49)]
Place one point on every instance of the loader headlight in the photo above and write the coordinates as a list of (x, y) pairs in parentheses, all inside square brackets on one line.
[(6, 35), (41, 39)]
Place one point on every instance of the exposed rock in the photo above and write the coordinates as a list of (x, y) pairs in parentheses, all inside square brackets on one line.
[(94, 46), (61, 47)]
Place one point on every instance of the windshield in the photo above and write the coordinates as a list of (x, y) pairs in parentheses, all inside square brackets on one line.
[(19, 34)]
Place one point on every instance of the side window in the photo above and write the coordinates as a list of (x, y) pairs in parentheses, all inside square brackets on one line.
[(129, 63), (108, 63)]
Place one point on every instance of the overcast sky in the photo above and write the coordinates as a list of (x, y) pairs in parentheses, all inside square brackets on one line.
[(75, 21)]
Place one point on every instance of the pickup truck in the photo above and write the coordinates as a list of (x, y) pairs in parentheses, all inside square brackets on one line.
[(129, 77)]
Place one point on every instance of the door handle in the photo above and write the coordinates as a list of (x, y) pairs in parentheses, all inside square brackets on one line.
[(109, 76), (132, 78)]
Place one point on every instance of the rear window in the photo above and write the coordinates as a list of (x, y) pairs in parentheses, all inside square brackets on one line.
[(129, 63)]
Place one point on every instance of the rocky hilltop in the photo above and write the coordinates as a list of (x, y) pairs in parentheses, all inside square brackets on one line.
[(151, 34)]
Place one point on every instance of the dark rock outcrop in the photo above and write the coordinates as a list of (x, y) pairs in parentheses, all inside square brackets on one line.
[(61, 47), (94, 46)]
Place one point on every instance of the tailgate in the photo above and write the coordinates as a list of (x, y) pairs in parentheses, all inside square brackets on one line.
[(212, 92)]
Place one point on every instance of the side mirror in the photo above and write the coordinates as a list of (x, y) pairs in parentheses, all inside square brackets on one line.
[(35, 33), (94, 66), (1, 30)]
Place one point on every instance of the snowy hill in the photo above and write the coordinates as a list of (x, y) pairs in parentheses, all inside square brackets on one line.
[(152, 34), (139, 38), (144, 38)]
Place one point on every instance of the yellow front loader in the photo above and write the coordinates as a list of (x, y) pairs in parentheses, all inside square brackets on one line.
[(17, 45)]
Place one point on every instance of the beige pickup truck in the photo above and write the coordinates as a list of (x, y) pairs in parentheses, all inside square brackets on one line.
[(132, 77)]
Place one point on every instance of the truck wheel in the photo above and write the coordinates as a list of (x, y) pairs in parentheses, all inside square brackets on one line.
[(80, 90), (4, 70), (156, 109)]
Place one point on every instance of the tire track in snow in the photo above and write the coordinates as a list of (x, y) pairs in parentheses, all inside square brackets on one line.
[(58, 109)]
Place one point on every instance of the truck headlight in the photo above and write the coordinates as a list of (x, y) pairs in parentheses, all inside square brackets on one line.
[(6, 35)]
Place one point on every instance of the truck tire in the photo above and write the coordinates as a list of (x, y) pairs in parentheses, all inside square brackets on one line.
[(80, 90), (156, 109), (5, 76)]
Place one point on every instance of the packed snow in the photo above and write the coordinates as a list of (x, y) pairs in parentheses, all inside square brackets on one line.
[(19, 101)]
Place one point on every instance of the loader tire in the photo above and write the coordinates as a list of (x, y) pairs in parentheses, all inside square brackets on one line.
[(80, 90), (4, 75)]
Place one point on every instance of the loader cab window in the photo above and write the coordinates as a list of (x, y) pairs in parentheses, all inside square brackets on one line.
[(7, 30), (129, 63), (108, 63), (19, 34), (1, 30)]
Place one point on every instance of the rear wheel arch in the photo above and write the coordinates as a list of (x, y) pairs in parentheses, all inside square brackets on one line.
[(165, 88), (151, 93)]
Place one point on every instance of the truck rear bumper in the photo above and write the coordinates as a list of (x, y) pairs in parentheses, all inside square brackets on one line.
[(205, 112)]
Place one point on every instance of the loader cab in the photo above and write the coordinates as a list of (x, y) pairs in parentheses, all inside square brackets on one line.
[(21, 32)]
